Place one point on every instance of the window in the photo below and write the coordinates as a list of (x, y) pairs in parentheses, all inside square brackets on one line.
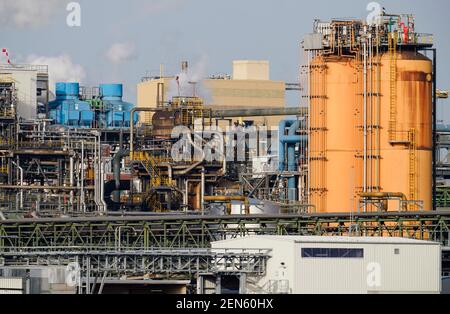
[(332, 253), (397, 251)]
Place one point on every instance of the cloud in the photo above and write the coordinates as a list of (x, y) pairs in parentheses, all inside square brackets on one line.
[(61, 69), (160, 6), (27, 13), (121, 52)]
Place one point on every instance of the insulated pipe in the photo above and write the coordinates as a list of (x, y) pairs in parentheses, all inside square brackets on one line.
[(202, 199), (233, 113), (292, 164), (117, 164), (228, 200), (290, 140), (226, 113), (382, 195)]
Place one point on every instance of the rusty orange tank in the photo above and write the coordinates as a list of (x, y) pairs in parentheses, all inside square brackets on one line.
[(396, 153)]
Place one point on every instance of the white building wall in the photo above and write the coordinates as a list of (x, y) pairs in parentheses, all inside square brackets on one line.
[(26, 87), (26, 84), (413, 270), (328, 275), (281, 253), (416, 269)]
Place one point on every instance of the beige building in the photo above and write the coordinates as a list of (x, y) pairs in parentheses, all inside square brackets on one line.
[(250, 87)]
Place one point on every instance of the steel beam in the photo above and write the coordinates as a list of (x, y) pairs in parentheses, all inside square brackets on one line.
[(146, 232)]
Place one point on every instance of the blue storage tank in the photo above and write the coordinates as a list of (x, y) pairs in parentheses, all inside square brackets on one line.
[(68, 109), (117, 112)]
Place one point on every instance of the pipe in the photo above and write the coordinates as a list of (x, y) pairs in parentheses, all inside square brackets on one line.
[(83, 200), (198, 163), (226, 113), (365, 115), (290, 140), (228, 200), (101, 184), (132, 113), (41, 187), (117, 165), (233, 113), (382, 195), (21, 183), (202, 200)]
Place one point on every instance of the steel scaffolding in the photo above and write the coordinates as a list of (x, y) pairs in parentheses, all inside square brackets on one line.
[(149, 232)]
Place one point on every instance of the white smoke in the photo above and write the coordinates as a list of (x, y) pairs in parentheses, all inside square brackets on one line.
[(191, 82), (60, 68), (28, 13), (121, 52), (161, 6)]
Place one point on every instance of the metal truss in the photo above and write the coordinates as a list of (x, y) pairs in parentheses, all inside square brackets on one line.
[(149, 232), (141, 262), (88, 266)]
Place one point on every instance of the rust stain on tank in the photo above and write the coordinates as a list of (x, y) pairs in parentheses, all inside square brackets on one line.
[(416, 76)]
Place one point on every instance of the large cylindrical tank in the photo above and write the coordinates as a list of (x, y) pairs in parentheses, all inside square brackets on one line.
[(117, 112), (332, 138), (337, 172), (414, 109)]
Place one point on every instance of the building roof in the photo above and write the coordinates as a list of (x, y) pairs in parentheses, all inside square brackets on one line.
[(329, 239)]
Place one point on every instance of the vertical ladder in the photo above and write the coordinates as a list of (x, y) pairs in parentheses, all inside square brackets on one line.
[(412, 167), (393, 87)]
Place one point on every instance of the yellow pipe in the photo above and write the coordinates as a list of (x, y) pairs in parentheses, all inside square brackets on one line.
[(228, 200), (382, 195)]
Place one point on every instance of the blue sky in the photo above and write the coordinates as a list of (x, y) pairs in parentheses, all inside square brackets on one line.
[(208, 31)]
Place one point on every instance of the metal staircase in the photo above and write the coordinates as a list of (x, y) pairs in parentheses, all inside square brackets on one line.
[(156, 178)]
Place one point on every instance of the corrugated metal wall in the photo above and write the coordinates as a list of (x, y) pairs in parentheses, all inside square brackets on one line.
[(385, 268), (11, 286)]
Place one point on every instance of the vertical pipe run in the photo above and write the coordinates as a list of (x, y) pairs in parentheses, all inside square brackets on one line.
[(203, 183), (365, 115), (434, 128), (83, 203), (290, 140)]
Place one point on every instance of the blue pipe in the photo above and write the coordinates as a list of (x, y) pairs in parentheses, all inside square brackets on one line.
[(290, 140)]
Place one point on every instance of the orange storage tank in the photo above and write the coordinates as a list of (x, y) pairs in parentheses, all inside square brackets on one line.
[(400, 163), (413, 112), (333, 135)]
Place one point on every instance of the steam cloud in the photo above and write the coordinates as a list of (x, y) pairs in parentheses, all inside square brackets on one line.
[(121, 52), (60, 68), (184, 87), (28, 13)]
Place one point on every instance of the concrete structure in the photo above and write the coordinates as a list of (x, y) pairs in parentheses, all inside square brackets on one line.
[(251, 70), (31, 83), (250, 87), (344, 265)]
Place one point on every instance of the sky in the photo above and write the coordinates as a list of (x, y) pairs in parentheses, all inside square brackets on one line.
[(121, 41)]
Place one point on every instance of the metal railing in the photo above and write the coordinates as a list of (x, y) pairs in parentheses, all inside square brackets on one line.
[(25, 67)]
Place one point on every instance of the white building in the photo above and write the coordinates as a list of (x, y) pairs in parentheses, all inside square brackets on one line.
[(31, 84), (343, 265)]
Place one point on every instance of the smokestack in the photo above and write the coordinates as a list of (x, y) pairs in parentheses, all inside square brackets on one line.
[(184, 67)]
